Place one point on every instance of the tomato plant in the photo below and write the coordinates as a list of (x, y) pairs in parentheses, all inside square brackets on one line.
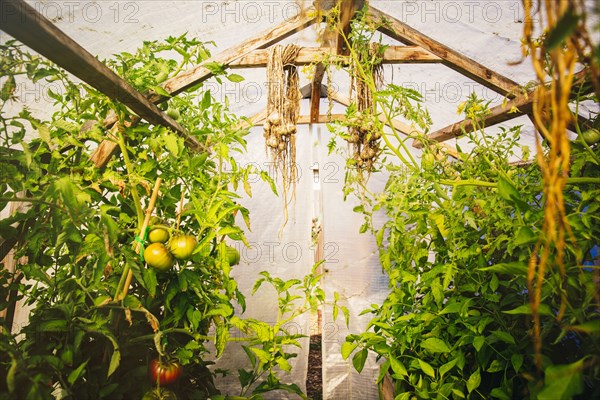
[(157, 256), (456, 323), (89, 335), (164, 373)]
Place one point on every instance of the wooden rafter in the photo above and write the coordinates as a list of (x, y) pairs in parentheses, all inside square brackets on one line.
[(311, 55), (24, 23), (398, 30), (522, 104)]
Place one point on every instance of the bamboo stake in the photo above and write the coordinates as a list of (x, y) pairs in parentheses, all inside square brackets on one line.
[(137, 244)]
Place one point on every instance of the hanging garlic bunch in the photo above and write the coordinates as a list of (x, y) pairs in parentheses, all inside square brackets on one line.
[(283, 107), (363, 133)]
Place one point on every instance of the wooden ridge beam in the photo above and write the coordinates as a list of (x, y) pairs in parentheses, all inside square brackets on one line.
[(398, 30), (199, 73), (24, 23), (348, 10), (311, 55), (308, 119)]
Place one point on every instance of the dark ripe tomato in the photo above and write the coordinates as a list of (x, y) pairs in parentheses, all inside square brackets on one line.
[(159, 394), (158, 257), (158, 235), (183, 246), (164, 373)]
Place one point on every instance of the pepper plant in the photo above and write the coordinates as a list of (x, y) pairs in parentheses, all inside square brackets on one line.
[(457, 322)]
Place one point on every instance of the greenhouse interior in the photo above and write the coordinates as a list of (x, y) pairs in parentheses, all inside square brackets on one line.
[(342, 200)]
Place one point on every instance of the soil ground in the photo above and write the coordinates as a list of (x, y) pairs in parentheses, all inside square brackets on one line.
[(314, 378)]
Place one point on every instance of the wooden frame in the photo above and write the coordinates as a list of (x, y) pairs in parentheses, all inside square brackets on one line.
[(400, 31)]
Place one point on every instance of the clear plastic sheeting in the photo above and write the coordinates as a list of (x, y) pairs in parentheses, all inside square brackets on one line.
[(287, 256), (353, 271)]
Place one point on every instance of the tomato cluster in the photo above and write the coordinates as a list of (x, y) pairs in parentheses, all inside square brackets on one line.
[(160, 257)]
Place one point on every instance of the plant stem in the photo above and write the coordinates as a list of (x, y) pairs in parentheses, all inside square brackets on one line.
[(31, 200), (468, 182), (129, 167)]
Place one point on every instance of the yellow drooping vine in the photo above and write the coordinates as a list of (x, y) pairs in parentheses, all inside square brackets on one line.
[(563, 46)]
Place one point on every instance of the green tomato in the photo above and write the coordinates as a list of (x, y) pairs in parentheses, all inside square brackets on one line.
[(591, 136), (173, 113), (158, 235), (159, 394), (427, 160), (183, 246), (233, 255), (158, 257)]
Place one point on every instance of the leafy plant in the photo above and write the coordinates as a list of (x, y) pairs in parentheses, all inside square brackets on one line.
[(457, 321), (82, 235)]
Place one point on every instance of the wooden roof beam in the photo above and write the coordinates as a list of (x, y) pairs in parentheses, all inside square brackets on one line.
[(24, 23), (398, 30), (310, 55)]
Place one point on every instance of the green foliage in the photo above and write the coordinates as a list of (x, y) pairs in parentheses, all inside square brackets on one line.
[(267, 347), (457, 321), (77, 234)]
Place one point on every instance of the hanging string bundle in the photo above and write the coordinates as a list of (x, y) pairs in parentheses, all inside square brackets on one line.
[(283, 108), (363, 135)]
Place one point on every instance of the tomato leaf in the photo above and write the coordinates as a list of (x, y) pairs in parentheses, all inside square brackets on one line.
[(426, 368), (397, 367), (235, 78), (76, 373), (563, 382), (564, 28), (512, 268), (221, 337), (447, 367)]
